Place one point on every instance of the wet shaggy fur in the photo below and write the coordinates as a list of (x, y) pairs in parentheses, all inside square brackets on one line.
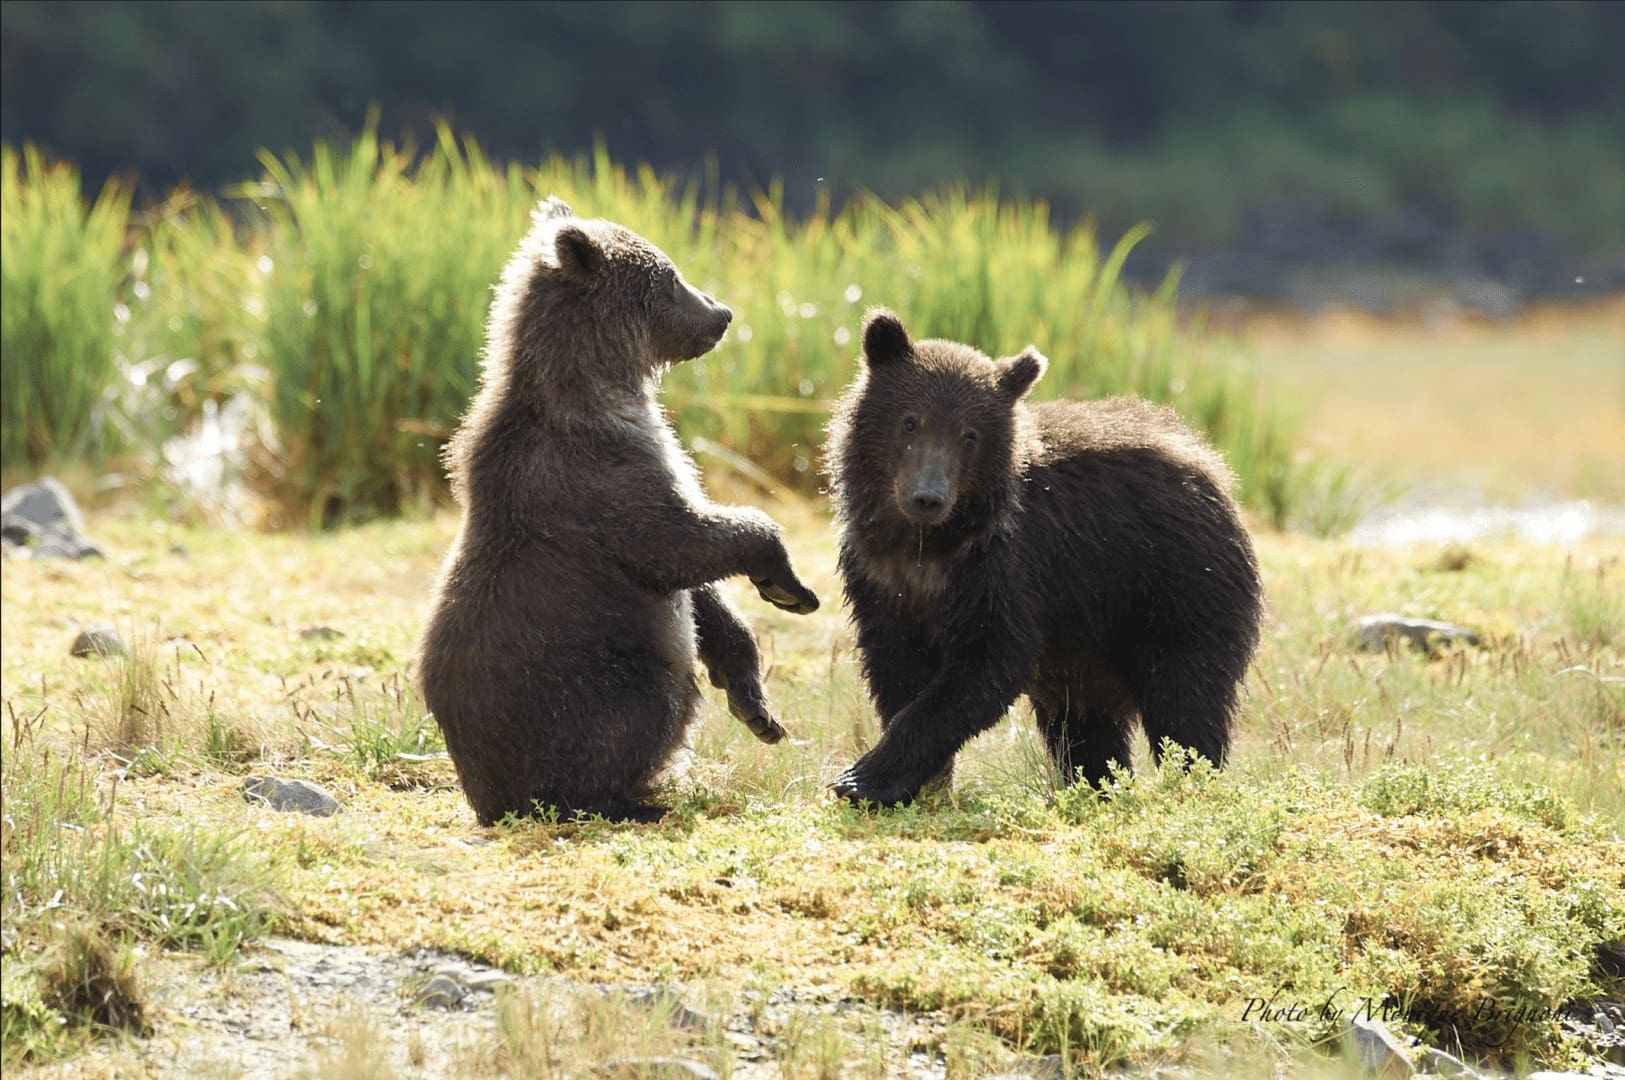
[(559, 657), (1086, 554)]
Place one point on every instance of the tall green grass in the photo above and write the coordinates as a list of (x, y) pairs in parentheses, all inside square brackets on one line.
[(369, 279), (61, 263), (378, 272)]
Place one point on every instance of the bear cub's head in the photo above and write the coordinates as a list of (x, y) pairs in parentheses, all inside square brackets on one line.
[(940, 421), (609, 278)]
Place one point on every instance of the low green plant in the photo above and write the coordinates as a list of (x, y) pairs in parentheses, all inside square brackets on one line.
[(67, 851), (391, 735)]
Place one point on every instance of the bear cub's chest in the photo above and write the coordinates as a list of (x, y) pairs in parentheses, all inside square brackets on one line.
[(914, 582)]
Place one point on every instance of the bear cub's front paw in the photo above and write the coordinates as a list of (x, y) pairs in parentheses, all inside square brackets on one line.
[(747, 702), (865, 783), (751, 709), (790, 595)]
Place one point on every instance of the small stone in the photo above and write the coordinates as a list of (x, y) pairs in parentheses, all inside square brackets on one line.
[(1374, 632), (42, 521), (441, 992), (746, 1047), (490, 981), (665, 997), (1048, 1067), (42, 505), (1439, 1063), (97, 639), (56, 544), (675, 1067), (1377, 1049), (320, 633), (290, 795)]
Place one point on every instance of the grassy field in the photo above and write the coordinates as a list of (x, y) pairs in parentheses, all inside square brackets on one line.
[(1440, 833), (1506, 410), (1445, 832)]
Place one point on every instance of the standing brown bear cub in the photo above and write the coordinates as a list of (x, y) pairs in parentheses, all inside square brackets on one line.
[(559, 657), (1086, 554)]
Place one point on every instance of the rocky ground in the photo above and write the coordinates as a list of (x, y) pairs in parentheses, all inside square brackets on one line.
[(290, 1007)]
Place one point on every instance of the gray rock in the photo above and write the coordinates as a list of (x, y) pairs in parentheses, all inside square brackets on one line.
[(490, 981), (289, 795), (746, 1047), (1559, 1076), (1439, 1063), (441, 992), (1374, 632), (320, 633), (674, 1067), (664, 997), (42, 521), (1377, 1049), (42, 505), (97, 639), (1048, 1067)]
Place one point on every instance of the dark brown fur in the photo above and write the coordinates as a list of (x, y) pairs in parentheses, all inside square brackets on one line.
[(559, 656), (1086, 554)]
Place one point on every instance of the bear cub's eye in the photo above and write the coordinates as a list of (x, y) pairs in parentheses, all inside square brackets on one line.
[(910, 425), (969, 438)]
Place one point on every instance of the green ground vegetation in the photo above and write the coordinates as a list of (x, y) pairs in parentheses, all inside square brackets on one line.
[(1443, 833)]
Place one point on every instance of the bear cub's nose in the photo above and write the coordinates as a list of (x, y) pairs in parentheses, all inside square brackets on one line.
[(926, 503)]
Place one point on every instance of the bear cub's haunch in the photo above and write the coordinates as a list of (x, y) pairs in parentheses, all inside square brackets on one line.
[(1087, 554), (559, 656)]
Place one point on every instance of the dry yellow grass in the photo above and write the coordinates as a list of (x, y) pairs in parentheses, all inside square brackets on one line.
[(1509, 408), (1123, 931)]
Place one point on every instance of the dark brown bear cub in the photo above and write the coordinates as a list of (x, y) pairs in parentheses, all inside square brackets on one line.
[(1087, 554), (559, 657)]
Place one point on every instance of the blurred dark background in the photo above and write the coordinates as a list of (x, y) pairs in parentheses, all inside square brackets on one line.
[(1278, 147)]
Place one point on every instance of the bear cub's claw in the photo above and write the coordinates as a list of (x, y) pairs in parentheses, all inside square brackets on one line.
[(853, 786), (762, 726), (749, 706), (752, 711), (795, 598)]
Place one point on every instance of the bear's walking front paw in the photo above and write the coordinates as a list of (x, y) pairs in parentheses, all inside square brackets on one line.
[(862, 783), (790, 595)]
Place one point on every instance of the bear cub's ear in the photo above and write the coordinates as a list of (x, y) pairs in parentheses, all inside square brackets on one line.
[(579, 254), (884, 339), (1019, 372), (552, 207)]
